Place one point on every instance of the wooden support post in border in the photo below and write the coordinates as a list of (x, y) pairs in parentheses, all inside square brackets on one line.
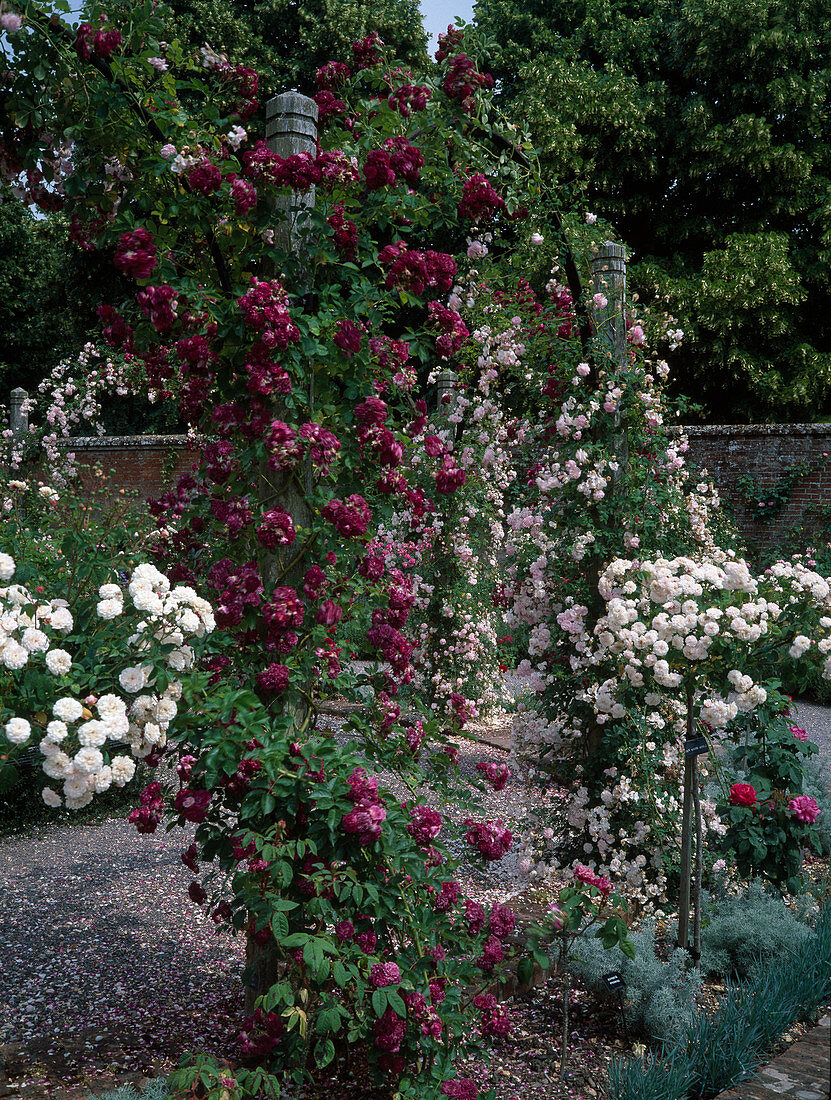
[(291, 128), (18, 411), (609, 279)]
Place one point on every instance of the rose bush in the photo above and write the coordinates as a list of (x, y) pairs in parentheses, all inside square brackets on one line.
[(292, 346)]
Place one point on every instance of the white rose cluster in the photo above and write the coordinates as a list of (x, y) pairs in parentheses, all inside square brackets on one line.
[(76, 743), (72, 750), (28, 627)]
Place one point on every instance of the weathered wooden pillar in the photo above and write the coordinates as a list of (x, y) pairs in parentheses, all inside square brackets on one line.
[(609, 279), (291, 128), (19, 411)]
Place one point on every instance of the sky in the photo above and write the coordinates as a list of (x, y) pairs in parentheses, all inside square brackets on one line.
[(438, 13)]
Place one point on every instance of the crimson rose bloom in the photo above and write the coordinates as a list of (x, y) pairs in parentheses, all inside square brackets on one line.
[(193, 805), (742, 794), (382, 974)]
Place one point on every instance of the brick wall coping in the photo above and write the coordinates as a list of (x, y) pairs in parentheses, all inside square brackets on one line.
[(704, 431), (111, 442), (701, 431)]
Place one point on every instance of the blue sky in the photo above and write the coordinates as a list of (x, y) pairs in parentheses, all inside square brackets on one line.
[(438, 13)]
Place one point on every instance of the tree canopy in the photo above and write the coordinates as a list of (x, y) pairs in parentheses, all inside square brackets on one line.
[(701, 130), (41, 318), (286, 41)]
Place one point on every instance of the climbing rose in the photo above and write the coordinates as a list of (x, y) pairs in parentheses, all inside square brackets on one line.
[(587, 876), (382, 974), (479, 199), (425, 825), (389, 1031), (462, 1088), (502, 920), (135, 254), (205, 178), (274, 678), (197, 893), (192, 805), (276, 529), (348, 337), (489, 838), (378, 170), (496, 774)]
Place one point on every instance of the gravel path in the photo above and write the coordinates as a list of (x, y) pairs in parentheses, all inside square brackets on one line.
[(97, 938), (816, 721)]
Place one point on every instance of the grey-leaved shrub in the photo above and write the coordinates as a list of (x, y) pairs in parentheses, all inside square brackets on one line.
[(153, 1090), (660, 996), (816, 782), (749, 929)]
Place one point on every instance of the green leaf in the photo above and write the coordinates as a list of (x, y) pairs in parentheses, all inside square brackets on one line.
[(396, 1003), (379, 1002), (296, 939), (525, 970), (340, 974)]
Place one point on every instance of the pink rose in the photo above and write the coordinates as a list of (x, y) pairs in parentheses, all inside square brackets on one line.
[(804, 808)]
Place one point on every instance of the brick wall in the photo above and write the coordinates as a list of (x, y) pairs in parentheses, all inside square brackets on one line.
[(148, 464), (764, 451)]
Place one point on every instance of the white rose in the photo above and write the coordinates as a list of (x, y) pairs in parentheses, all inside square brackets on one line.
[(110, 609), (103, 779), (132, 679), (34, 641), (68, 709), (7, 567), (110, 706), (79, 802), (57, 765), (18, 730), (51, 798), (14, 656), (88, 760), (123, 769), (92, 734), (60, 618), (110, 592), (56, 731), (59, 662)]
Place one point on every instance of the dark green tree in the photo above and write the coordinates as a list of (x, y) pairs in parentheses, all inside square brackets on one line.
[(285, 41), (701, 130), (45, 308)]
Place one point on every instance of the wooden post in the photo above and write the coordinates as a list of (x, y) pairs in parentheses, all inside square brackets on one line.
[(609, 279), (19, 411), (690, 778), (699, 867), (690, 783), (291, 128)]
